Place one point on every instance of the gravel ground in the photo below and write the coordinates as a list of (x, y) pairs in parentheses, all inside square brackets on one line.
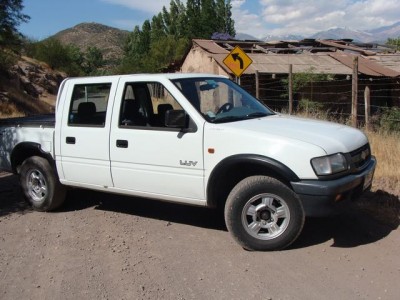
[(102, 246)]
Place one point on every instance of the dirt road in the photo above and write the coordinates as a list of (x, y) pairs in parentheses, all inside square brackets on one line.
[(102, 246)]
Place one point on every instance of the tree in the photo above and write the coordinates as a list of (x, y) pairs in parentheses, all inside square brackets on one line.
[(10, 39), (166, 37), (208, 18), (193, 16), (157, 28), (164, 51), (175, 19), (93, 60), (65, 58), (395, 43), (10, 17), (229, 22), (225, 25)]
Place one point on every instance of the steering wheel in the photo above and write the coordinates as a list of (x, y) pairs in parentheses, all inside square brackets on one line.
[(225, 108)]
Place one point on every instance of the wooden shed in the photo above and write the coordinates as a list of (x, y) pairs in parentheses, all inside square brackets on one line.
[(377, 68)]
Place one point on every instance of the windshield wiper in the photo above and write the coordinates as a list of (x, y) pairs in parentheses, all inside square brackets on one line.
[(228, 119), (256, 115)]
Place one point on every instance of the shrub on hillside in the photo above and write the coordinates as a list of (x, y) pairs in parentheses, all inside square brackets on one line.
[(7, 59), (57, 56)]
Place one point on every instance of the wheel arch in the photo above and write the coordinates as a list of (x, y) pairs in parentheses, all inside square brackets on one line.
[(24, 150), (233, 169)]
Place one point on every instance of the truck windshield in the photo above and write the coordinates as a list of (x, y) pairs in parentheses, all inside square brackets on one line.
[(220, 100)]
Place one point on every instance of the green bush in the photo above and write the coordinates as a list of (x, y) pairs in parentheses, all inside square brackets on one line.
[(7, 59), (67, 58), (313, 108), (390, 119)]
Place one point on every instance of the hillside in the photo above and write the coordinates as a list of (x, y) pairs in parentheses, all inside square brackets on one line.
[(108, 39), (29, 87)]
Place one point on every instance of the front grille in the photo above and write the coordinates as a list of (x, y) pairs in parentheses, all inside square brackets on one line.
[(360, 157)]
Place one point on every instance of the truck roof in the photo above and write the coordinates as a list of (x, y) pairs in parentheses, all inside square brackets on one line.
[(153, 75)]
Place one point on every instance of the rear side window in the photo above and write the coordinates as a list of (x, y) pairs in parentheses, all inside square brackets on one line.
[(89, 105)]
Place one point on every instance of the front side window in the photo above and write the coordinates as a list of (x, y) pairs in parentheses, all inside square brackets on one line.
[(89, 105), (220, 100), (144, 104)]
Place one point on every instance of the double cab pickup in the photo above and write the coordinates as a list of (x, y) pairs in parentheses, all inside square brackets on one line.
[(197, 139)]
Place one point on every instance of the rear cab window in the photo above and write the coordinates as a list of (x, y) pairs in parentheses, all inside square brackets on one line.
[(88, 106)]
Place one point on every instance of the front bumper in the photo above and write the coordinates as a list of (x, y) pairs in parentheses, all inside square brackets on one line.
[(321, 197)]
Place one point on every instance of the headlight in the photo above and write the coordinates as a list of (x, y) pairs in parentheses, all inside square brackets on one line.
[(328, 165)]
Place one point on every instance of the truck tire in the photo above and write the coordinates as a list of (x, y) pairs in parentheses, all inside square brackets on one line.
[(263, 214), (40, 184)]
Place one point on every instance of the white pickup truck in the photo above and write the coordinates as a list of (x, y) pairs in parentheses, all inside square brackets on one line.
[(191, 138)]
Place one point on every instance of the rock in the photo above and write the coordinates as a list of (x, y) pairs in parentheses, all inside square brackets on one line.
[(35, 78)]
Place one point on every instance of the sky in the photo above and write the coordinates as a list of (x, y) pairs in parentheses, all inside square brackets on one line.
[(258, 18)]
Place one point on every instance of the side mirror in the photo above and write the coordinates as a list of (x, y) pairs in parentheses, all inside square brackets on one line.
[(176, 119)]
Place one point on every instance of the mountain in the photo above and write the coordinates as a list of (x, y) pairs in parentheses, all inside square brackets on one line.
[(344, 33), (378, 35), (288, 37), (245, 37), (386, 32), (109, 40)]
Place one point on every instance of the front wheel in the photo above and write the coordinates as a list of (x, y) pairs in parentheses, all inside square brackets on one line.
[(40, 184), (263, 214)]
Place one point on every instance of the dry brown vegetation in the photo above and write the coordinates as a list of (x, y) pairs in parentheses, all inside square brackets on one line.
[(386, 147), (15, 103), (29, 87)]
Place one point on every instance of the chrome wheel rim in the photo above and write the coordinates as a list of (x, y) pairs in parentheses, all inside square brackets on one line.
[(37, 185), (265, 216)]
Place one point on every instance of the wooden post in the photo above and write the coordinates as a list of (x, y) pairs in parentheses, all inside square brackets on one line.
[(257, 84), (367, 100), (290, 89), (354, 92)]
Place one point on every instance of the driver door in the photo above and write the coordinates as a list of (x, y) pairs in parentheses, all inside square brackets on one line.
[(146, 156)]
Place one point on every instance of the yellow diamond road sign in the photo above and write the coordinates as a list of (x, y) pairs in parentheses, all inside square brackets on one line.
[(237, 61)]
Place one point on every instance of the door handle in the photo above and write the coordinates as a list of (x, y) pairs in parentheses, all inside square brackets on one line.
[(70, 140), (122, 143)]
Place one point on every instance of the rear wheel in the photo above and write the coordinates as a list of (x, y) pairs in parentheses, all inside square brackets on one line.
[(40, 184), (262, 213)]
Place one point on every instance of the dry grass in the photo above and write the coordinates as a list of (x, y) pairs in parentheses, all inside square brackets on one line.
[(9, 111), (386, 148), (16, 103)]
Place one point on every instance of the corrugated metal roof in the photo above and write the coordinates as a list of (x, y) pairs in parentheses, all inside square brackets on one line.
[(365, 66), (324, 62), (211, 47), (391, 61), (346, 47), (279, 63)]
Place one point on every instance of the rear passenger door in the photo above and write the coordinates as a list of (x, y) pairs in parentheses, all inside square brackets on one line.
[(146, 156), (84, 136)]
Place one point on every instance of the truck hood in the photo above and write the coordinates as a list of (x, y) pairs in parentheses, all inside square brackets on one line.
[(331, 137)]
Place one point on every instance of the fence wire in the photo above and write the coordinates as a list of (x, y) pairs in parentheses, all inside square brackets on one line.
[(333, 97)]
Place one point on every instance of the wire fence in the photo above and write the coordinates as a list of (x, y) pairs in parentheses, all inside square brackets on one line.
[(376, 99)]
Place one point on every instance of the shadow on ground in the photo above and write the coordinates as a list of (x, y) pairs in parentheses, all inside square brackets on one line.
[(146, 208), (11, 197), (365, 221)]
